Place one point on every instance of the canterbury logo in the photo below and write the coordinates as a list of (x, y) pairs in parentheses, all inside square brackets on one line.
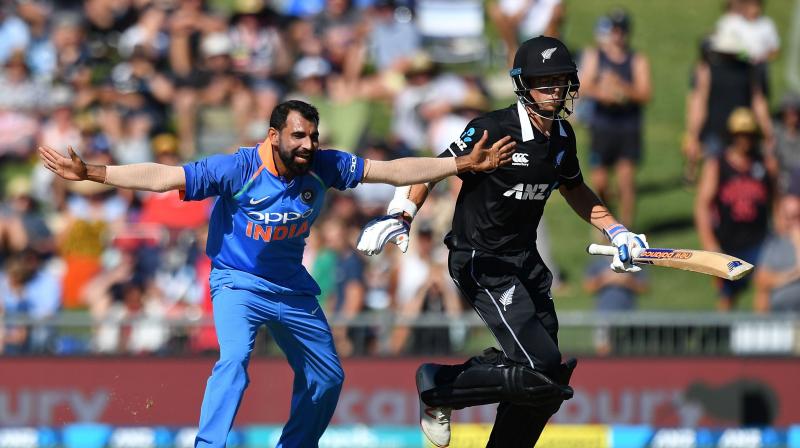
[(507, 297), (546, 54), (519, 159)]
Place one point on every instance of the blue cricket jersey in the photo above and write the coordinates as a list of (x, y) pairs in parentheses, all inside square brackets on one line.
[(259, 222)]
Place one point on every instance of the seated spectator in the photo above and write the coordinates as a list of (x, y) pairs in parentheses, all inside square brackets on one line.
[(22, 223), (393, 36), (777, 275), (31, 293), (20, 103), (421, 284), (347, 113), (92, 210), (372, 198), (260, 55), (348, 296), (14, 32), (787, 141), (612, 292)]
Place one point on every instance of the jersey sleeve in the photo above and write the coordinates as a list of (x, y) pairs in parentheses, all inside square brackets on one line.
[(339, 169), (570, 175), (218, 175), (472, 133)]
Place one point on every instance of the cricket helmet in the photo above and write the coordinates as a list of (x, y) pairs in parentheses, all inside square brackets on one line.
[(539, 57)]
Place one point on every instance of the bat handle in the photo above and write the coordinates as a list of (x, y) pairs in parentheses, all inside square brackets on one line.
[(599, 249)]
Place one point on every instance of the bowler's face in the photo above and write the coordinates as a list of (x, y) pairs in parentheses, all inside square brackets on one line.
[(297, 143)]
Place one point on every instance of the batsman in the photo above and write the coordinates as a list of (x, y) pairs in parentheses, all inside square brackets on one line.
[(493, 256)]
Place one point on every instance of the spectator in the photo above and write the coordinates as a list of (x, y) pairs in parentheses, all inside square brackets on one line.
[(733, 200), (261, 56), (92, 210), (787, 141), (31, 293), (427, 96), (14, 33), (129, 315), (393, 37), (612, 293), (71, 49), (349, 114), (617, 79), (421, 284), (60, 130), (372, 198), (21, 101), (335, 26), (777, 276), (21, 221), (148, 35), (349, 291), (520, 20), (721, 82), (755, 32)]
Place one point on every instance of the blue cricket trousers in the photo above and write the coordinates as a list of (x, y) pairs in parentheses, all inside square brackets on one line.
[(299, 327)]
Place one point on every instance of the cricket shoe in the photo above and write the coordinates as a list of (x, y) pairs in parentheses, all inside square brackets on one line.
[(435, 421)]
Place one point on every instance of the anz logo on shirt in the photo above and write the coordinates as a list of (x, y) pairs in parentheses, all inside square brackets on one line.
[(277, 226)]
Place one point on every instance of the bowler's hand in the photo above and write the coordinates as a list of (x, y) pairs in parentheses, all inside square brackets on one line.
[(487, 159), (70, 168)]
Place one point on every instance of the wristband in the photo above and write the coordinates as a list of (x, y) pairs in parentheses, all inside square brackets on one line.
[(614, 230), (402, 205)]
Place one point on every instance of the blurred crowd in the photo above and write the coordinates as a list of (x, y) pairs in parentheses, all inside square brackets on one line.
[(126, 81)]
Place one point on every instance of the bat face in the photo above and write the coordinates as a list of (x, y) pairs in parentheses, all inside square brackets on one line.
[(666, 254), (712, 263)]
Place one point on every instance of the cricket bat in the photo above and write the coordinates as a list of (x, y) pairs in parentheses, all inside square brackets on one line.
[(705, 262)]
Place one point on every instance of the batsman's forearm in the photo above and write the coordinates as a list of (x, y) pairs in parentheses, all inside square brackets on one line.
[(413, 170), (588, 206), (140, 176)]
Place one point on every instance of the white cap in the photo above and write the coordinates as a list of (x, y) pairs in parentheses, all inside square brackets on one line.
[(311, 66), (216, 44)]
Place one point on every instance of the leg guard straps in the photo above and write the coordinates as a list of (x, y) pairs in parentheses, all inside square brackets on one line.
[(485, 384)]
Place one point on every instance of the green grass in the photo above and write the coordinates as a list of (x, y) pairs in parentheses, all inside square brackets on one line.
[(668, 33)]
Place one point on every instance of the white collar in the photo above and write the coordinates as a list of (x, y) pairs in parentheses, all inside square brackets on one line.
[(525, 123)]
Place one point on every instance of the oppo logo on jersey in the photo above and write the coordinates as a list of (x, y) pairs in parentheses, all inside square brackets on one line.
[(528, 192), (283, 218), (287, 228)]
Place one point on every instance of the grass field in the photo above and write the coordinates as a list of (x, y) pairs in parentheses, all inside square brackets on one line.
[(668, 32)]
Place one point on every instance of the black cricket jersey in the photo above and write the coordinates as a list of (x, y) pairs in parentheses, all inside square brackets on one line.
[(499, 211)]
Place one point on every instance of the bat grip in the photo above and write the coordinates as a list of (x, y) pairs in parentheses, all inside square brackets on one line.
[(599, 249)]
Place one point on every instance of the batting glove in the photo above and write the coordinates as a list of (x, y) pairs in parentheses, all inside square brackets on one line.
[(379, 231), (628, 245)]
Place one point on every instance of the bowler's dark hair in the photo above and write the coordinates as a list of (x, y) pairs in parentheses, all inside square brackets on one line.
[(278, 118)]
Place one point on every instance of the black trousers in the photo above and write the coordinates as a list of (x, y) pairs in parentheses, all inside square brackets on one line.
[(511, 293)]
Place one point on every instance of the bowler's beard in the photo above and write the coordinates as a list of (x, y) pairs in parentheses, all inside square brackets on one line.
[(297, 169)]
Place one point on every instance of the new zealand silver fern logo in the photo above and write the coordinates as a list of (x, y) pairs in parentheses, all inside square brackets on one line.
[(507, 297), (546, 54)]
